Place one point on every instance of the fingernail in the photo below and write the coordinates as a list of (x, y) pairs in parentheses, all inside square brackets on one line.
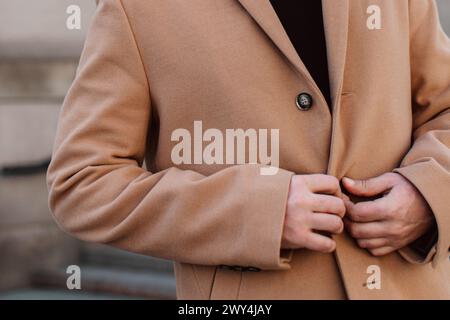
[(350, 181)]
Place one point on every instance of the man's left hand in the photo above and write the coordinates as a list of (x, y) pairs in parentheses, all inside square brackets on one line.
[(393, 221)]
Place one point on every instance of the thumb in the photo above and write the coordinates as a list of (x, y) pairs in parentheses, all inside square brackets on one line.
[(368, 187)]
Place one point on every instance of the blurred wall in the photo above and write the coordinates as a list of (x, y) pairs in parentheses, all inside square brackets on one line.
[(36, 29), (444, 11), (38, 59)]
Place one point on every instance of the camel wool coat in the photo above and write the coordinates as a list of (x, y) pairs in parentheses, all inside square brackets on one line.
[(151, 67)]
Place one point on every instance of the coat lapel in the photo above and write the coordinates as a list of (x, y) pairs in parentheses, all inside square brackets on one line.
[(336, 19), (336, 30), (267, 19)]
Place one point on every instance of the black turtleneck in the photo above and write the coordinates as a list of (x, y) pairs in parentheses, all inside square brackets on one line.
[(303, 22)]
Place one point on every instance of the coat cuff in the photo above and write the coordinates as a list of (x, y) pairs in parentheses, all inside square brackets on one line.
[(433, 182), (270, 195)]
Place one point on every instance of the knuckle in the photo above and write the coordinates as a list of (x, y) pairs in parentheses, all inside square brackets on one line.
[(393, 230), (394, 209), (305, 200), (395, 243), (362, 243), (302, 183), (402, 231), (327, 246), (331, 246), (306, 180), (387, 213), (296, 200), (296, 179), (341, 226), (379, 252), (359, 211), (334, 181), (357, 233), (380, 212), (302, 220), (352, 229), (299, 182), (341, 207), (300, 237), (307, 218), (354, 215), (291, 202)]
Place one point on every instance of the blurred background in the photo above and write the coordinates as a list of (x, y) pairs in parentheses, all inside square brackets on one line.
[(38, 59)]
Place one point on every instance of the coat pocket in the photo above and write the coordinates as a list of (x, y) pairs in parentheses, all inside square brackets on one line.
[(226, 284)]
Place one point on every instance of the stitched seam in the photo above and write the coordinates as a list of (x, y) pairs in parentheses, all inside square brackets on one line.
[(136, 44), (197, 282), (239, 286), (212, 283)]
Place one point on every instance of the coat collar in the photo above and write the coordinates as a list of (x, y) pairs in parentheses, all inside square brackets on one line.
[(336, 31)]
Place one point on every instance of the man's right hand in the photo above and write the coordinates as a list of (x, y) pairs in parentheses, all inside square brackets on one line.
[(314, 208)]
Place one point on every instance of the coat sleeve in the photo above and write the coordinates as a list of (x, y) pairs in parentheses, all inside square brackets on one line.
[(99, 192), (427, 164)]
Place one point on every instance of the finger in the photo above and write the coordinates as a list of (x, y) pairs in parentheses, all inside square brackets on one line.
[(369, 187), (367, 211), (317, 242), (327, 222), (329, 204), (382, 251), (321, 183), (366, 229), (373, 243)]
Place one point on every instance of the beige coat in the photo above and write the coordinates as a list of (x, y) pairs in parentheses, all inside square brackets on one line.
[(150, 67)]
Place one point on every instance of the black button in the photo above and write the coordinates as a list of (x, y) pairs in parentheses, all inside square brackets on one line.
[(304, 101), (232, 268), (239, 268), (251, 269)]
